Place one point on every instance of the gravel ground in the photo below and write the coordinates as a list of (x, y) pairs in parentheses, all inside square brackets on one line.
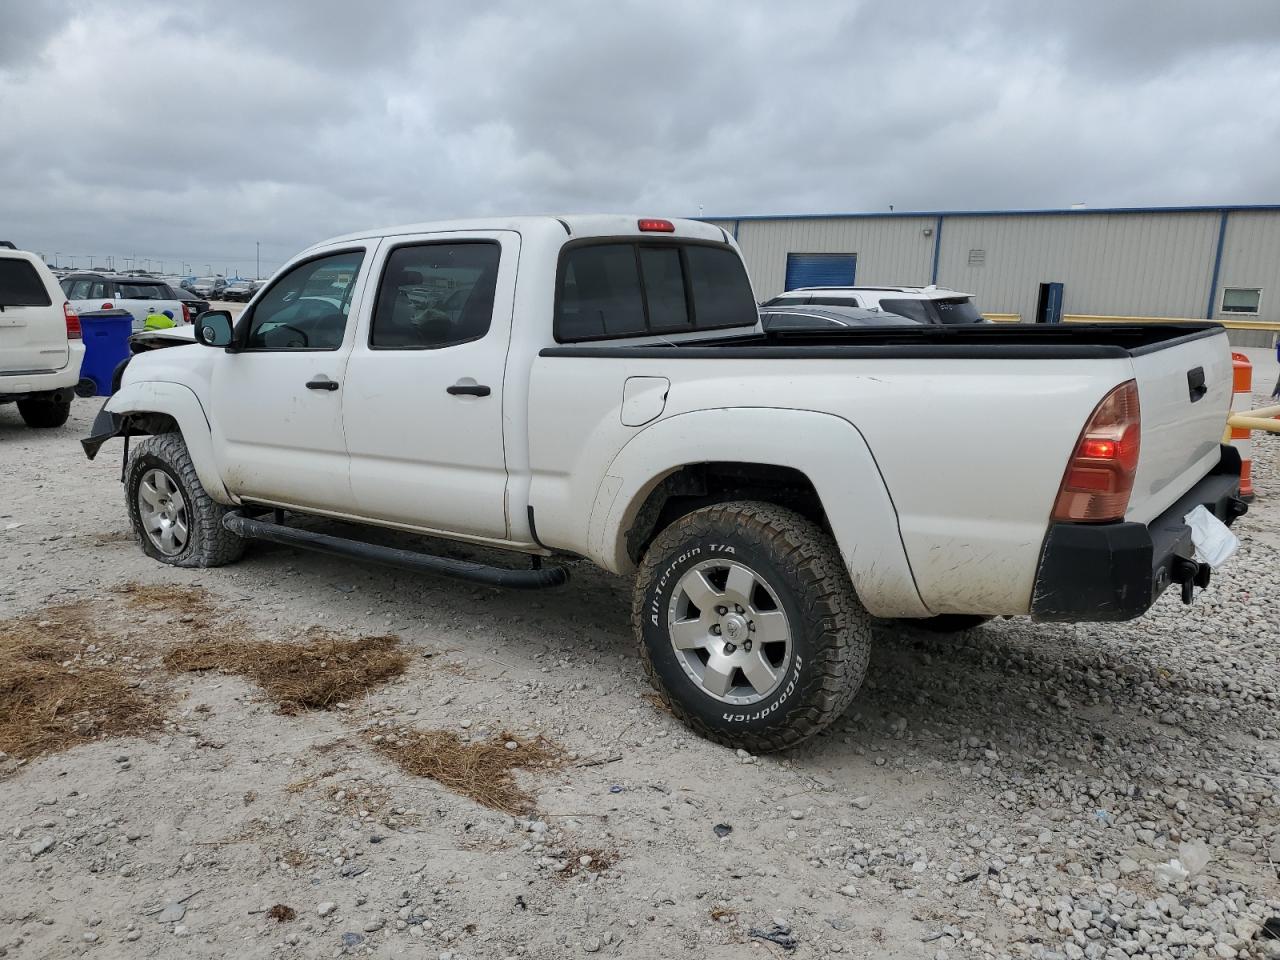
[(1021, 791)]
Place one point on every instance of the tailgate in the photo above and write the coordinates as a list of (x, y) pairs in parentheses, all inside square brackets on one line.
[(1184, 391), (32, 340)]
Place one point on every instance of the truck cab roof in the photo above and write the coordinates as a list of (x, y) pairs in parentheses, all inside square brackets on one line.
[(571, 226)]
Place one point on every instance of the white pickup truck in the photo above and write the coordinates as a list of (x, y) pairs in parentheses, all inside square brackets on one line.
[(599, 387)]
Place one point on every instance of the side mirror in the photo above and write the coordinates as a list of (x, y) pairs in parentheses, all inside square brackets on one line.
[(213, 328)]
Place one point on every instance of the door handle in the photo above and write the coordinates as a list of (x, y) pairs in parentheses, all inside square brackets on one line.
[(1196, 387), (468, 390), (321, 382)]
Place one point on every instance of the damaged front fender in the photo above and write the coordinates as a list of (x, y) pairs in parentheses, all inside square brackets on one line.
[(105, 426)]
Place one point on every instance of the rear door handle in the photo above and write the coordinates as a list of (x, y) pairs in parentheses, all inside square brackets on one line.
[(468, 390), (321, 382)]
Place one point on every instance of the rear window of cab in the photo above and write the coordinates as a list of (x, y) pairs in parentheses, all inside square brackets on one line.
[(638, 288)]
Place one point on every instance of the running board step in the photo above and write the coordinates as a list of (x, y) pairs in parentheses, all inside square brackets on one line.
[(537, 578)]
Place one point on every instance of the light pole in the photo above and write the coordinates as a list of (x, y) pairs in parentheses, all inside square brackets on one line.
[(208, 268), (257, 270), (55, 259)]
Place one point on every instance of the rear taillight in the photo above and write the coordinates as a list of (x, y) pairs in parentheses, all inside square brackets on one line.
[(656, 226), (107, 306), (186, 313), (1100, 474), (73, 321)]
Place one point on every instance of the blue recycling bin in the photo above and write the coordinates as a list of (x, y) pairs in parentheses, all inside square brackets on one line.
[(106, 343)]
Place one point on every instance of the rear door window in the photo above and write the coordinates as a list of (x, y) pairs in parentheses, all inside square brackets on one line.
[(633, 289), (435, 295), (21, 286)]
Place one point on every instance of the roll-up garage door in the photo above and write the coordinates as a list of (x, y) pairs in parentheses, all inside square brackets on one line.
[(820, 269)]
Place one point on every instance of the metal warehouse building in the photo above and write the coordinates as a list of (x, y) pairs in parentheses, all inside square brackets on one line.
[(1221, 263)]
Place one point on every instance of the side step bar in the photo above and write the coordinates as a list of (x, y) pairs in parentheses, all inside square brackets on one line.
[(535, 579)]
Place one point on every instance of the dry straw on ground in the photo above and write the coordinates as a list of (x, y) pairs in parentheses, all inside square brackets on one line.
[(316, 675), (169, 598), (51, 698), (482, 770)]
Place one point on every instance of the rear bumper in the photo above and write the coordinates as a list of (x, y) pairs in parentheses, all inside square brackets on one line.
[(16, 386), (1116, 571)]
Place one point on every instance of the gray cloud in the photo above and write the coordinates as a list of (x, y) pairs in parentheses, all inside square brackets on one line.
[(187, 132)]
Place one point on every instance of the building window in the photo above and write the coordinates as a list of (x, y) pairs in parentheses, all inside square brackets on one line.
[(977, 258), (1241, 300)]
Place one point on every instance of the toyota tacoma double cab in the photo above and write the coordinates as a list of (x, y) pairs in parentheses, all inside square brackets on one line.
[(600, 387)]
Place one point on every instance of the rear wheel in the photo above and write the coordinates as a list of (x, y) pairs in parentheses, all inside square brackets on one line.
[(175, 519), (44, 412), (749, 626)]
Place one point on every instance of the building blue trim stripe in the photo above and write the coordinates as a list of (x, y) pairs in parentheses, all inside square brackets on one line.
[(1217, 265), (1048, 212), (937, 248)]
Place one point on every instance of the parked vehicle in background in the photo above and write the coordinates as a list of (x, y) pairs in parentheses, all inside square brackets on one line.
[(620, 404), (195, 305), (40, 344), (930, 304), (813, 319), (210, 288), (141, 296), (240, 291)]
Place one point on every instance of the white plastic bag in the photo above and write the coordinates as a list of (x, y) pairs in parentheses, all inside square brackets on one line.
[(1214, 541)]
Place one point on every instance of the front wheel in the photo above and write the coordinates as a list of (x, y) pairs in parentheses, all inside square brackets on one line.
[(176, 521), (749, 626)]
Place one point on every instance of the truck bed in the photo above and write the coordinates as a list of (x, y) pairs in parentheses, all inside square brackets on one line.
[(970, 428)]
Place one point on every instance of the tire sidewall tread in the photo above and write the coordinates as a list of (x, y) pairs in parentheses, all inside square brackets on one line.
[(209, 543), (831, 632)]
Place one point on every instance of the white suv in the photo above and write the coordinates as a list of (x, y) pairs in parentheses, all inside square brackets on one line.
[(40, 344), (932, 304)]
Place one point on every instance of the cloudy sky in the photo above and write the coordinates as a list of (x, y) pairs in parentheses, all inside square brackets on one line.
[(188, 131)]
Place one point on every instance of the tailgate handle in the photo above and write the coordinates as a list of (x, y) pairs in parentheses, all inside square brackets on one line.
[(1195, 384)]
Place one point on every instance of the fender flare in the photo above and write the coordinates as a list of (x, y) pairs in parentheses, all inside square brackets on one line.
[(828, 449), (172, 399)]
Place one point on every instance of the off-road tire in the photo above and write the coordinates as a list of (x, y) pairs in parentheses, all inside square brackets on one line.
[(209, 543), (830, 630), (42, 413)]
